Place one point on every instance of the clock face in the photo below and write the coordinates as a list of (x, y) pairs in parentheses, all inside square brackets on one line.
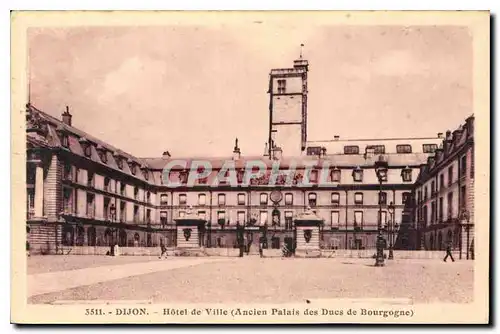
[(276, 196)]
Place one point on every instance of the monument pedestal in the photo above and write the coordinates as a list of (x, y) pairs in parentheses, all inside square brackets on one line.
[(188, 235), (307, 226)]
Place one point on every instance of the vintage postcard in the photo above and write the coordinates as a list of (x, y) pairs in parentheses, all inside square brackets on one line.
[(250, 167)]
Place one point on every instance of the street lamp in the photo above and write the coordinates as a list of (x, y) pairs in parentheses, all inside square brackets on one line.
[(381, 167), (391, 230)]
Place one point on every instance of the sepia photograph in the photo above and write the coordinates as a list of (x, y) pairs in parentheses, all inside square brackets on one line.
[(230, 167)]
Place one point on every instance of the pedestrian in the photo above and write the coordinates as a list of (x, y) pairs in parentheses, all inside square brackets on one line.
[(261, 247), (448, 252), (163, 250)]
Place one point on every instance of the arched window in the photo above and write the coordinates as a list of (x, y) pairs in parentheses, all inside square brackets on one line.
[(80, 235), (312, 199), (91, 236)]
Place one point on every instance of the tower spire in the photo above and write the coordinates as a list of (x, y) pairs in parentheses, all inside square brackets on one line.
[(301, 50)]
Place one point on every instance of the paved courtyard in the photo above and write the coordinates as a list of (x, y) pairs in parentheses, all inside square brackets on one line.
[(60, 279)]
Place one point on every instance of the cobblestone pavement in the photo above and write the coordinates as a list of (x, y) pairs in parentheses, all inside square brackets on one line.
[(275, 280)]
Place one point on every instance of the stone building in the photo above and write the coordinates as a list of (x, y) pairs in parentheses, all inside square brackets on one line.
[(85, 195), (444, 193)]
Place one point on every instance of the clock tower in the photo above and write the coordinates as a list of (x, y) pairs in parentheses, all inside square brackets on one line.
[(288, 108)]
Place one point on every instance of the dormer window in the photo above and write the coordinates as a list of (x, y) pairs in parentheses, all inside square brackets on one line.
[(63, 137), (145, 172), (133, 168), (406, 174), (102, 154), (357, 175), (87, 148)]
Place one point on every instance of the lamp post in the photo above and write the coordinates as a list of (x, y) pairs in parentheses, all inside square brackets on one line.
[(381, 167), (391, 231)]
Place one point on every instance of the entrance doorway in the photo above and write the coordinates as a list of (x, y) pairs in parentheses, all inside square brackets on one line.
[(290, 244)]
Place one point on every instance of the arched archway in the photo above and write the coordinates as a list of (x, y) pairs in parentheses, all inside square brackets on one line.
[(80, 235), (91, 236), (67, 235), (440, 240), (122, 241)]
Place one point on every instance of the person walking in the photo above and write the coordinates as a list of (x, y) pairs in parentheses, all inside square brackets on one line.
[(163, 250), (261, 246), (448, 252)]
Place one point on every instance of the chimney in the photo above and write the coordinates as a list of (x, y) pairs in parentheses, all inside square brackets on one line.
[(236, 151), (439, 154), (440, 135), (266, 151), (448, 135), (336, 137), (166, 155), (469, 123), (430, 160), (66, 117)]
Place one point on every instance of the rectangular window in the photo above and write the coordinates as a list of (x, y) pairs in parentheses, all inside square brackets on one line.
[(441, 209), (90, 179), (281, 86), (441, 181), (450, 175), (148, 216), (241, 199), (241, 217), (263, 217), (163, 218), (136, 214), (382, 198), (335, 220), (182, 214), (182, 199), (383, 217), (463, 198), (450, 205), (136, 193), (221, 215), (312, 199), (288, 220), (429, 148), (433, 188), (425, 193), (202, 215), (123, 212), (67, 172), (163, 199), (123, 189), (335, 175), (358, 220), (433, 212), (202, 199), (221, 199), (403, 148), (335, 198), (289, 199), (377, 149), (314, 176), (358, 198), (351, 149), (316, 150), (463, 166), (357, 175), (263, 198), (90, 205)]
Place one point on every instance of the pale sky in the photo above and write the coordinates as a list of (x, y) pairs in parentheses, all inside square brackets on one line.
[(193, 89)]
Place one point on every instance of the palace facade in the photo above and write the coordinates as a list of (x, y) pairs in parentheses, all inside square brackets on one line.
[(85, 193)]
